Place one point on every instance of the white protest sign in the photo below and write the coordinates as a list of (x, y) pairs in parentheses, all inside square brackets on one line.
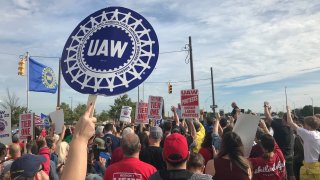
[(141, 113), (26, 126), (190, 103), (246, 127), (125, 114), (57, 117), (5, 126), (155, 105)]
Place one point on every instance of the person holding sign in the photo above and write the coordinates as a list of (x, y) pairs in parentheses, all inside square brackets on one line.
[(311, 144), (283, 136), (271, 165), (76, 164)]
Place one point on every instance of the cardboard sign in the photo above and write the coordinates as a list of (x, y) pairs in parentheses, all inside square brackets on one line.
[(190, 103), (5, 126), (141, 113), (57, 117), (26, 126), (110, 52), (246, 128), (125, 114), (155, 105)]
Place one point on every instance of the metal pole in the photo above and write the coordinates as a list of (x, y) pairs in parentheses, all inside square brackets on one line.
[(212, 89), (138, 94), (27, 62), (191, 63), (59, 84), (143, 92), (312, 106)]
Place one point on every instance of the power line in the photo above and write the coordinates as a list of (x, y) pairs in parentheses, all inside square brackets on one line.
[(55, 57), (185, 81)]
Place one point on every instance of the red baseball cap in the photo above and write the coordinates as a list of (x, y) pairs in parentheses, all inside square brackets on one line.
[(175, 148)]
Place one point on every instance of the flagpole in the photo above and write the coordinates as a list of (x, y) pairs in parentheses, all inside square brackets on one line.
[(27, 62), (59, 81)]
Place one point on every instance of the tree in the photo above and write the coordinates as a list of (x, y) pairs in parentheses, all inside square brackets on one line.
[(68, 114), (79, 111), (11, 101), (103, 116), (115, 109), (306, 111)]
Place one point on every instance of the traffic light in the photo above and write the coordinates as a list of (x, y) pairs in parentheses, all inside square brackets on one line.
[(170, 89), (21, 67)]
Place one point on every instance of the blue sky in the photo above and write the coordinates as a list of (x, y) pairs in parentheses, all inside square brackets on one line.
[(256, 48)]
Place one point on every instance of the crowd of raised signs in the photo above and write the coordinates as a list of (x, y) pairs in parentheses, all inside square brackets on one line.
[(205, 148)]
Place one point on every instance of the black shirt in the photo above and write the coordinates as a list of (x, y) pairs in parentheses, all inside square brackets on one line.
[(153, 155), (283, 136)]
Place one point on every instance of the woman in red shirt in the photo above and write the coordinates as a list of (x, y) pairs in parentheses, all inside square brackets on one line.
[(230, 162)]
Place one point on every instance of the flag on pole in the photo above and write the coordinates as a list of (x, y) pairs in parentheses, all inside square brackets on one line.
[(41, 78)]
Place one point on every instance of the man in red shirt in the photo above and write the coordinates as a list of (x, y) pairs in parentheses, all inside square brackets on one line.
[(130, 167)]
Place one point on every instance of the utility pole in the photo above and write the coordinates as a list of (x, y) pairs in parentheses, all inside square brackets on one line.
[(59, 84), (212, 90), (191, 63)]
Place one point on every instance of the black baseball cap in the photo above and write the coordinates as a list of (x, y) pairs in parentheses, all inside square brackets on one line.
[(26, 166)]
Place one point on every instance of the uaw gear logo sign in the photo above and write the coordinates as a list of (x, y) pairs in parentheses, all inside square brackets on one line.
[(110, 52), (48, 78)]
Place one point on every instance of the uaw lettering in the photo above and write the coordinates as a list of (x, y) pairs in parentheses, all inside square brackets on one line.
[(110, 52)]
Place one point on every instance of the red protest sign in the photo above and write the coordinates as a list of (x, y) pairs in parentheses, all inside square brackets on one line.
[(141, 113), (155, 105), (26, 126), (190, 103)]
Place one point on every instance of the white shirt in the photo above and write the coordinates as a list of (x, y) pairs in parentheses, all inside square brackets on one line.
[(311, 144)]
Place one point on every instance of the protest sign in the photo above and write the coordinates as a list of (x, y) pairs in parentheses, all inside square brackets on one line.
[(246, 128), (57, 117), (190, 103), (110, 52), (141, 113), (5, 126), (155, 105), (125, 114), (26, 126)]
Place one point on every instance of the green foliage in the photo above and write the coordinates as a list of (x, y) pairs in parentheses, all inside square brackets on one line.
[(79, 111), (103, 116), (115, 109), (68, 114)]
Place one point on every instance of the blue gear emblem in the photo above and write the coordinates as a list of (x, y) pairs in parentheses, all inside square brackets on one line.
[(110, 52)]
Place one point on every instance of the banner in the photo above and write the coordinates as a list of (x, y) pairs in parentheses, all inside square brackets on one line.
[(125, 114), (155, 105), (38, 121), (26, 126), (110, 52), (190, 103), (246, 128), (57, 117), (141, 113), (5, 127), (46, 121), (41, 78)]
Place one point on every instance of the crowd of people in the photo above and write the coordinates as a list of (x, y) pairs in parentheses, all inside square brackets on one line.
[(201, 148)]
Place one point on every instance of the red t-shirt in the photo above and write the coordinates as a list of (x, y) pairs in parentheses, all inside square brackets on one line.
[(129, 168), (272, 169), (206, 153), (117, 155)]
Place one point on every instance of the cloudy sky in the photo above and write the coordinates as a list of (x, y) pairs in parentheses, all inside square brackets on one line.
[(256, 48)]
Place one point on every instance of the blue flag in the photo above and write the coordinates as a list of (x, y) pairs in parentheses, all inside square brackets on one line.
[(41, 78)]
